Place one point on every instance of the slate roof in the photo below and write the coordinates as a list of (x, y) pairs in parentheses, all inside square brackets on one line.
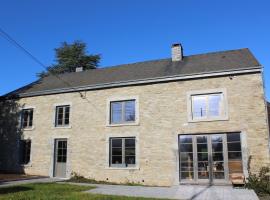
[(222, 61)]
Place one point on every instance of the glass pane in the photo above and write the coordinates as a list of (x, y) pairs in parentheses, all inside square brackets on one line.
[(60, 144), (185, 139), (130, 110), (60, 110), (117, 151), (235, 166), (116, 142), (218, 166), (64, 152), (116, 112), (202, 148), (217, 156), (233, 137), (202, 166), (217, 147), (202, 156), (130, 151), (203, 175), (130, 160), (64, 159), (216, 138), (218, 175), (116, 159), (235, 146), (186, 157), (130, 142), (201, 139), (186, 148), (215, 104), (199, 106), (234, 155), (187, 175), (186, 166)]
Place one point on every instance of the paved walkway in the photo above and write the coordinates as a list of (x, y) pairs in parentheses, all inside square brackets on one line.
[(183, 192), (36, 180)]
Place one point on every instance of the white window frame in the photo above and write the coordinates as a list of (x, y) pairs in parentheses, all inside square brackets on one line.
[(54, 115), (222, 91), (122, 98)]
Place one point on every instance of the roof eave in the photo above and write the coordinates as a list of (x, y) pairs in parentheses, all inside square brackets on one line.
[(256, 69)]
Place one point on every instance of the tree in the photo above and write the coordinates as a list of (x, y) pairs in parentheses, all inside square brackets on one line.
[(70, 56)]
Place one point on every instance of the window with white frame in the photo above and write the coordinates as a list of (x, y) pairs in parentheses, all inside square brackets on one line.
[(207, 106), (62, 114), (122, 112), (27, 118), (122, 152)]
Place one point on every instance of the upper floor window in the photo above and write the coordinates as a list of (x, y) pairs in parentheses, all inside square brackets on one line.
[(27, 118), (62, 115), (25, 150), (207, 106), (122, 152), (122, 112)]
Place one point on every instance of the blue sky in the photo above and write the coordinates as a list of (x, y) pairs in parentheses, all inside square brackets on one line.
[(125, 31)]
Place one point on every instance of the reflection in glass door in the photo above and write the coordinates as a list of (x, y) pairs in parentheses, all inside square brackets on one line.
[(204, 158)]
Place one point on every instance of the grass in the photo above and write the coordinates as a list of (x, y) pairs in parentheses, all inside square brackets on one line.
[(51, 191)]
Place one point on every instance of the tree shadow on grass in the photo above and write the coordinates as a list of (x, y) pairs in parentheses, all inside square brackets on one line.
[(14, 189)]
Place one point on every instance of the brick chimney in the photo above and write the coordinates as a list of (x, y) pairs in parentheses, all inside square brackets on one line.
[(79, 69), (177, 52)]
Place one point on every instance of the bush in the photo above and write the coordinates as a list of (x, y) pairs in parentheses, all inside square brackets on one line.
[(260, 183)]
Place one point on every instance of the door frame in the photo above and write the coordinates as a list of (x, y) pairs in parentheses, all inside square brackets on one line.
[(195, 170), (54, 153)]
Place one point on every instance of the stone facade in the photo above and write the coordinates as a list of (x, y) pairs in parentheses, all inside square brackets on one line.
[(162, 117)]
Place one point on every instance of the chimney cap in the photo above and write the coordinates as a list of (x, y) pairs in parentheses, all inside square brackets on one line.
[(176, 44)]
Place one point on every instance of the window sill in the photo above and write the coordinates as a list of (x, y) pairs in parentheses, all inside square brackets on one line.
[(62, 127), (123, 124), (28, 129), (123, 168), (208, 119)]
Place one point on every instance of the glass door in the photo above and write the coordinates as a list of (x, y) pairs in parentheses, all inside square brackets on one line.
[(202, 157)]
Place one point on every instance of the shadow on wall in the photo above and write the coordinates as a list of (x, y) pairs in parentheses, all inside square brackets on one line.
[(10, 135)]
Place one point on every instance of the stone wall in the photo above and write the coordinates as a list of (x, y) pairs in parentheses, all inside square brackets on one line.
[(162, 117)]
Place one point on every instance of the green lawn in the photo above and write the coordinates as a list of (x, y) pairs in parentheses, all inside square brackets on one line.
[(54, 191)]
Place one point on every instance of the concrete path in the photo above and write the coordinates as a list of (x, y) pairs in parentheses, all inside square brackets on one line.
[(183, 192), (36, 180)]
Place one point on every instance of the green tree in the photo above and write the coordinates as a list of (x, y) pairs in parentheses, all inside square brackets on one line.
[(70, 56)]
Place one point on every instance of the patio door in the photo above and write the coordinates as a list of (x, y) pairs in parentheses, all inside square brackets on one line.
[(60, 158), (203, 158)]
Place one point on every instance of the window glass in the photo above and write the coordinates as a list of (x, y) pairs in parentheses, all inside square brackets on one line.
[(207, 106), (214, 105), (25, 149), (122, 111), (27, 118), (116, 112), (130, 111), (122, 152), (62, 115), (199, 106)]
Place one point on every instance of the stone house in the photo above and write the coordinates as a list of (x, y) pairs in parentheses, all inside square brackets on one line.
[(186, 119)]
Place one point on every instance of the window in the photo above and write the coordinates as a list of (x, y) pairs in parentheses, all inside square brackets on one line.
[(27, 118), (25, 150), (62, 115), (234, 153), (122, 152), (122, 112), (211, 106)]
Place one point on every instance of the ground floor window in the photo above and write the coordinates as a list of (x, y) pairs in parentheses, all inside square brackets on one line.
[(210, 157), (25, 151), (123, 152)]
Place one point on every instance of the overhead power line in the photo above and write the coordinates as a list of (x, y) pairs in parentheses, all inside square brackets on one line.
[(7, 37)]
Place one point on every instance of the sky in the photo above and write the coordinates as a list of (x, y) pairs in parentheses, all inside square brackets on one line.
[(127, 31)]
